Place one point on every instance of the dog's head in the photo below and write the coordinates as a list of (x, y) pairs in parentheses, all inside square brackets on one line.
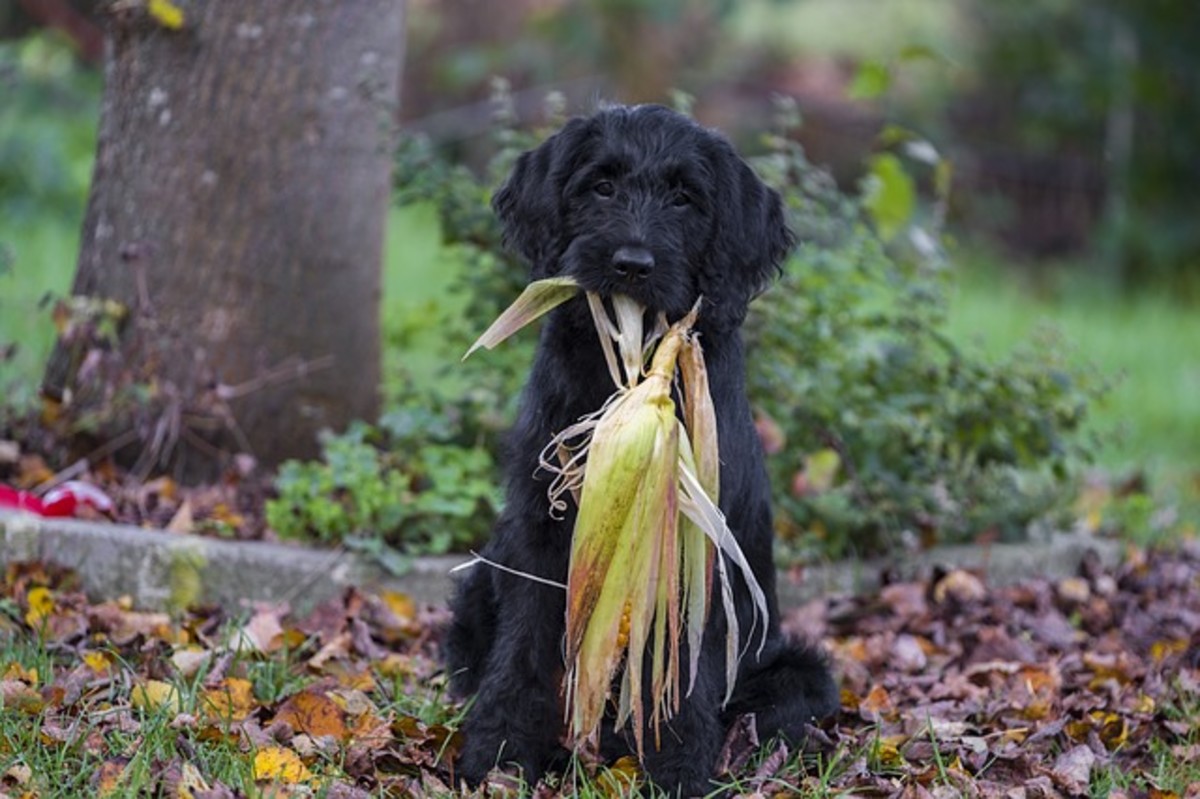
[(644, 201)]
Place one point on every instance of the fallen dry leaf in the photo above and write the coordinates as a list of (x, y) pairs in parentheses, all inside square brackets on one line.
[(314, 714), (232, 700), (153, 695), (278, 764)]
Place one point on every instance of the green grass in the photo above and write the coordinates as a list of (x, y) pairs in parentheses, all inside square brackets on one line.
[(43, 255), (856, 29), (65, 768), (418, 273), (1145, 342)]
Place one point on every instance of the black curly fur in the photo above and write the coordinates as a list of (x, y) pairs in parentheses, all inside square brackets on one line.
[(644, 201)]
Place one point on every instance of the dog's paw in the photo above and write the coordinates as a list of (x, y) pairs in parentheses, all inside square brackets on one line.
[(486, 758)]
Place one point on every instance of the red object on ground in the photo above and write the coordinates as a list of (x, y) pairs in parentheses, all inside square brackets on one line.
[(60, 501)]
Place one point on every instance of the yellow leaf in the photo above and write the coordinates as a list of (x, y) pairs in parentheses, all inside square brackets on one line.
[(1113, 729), (155, 695), (1163, 649), (165, 13), (223, 514), (232, 700), (97, 661), (395, 665), (887, 751), (401, 605), (1078, 730), (41, 604), (15, 671), (620, 779), (278, 764)]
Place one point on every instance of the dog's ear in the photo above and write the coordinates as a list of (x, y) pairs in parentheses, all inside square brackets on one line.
[(530, 203), (750, 239)]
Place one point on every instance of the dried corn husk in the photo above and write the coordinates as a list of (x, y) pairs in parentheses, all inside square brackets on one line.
[(538, 298), (648, 529)]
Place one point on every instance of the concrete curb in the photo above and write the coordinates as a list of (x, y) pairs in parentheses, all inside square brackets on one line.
[(159, 569)]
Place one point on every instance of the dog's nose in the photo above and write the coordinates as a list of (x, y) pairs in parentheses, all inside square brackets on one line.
[(634, 262)]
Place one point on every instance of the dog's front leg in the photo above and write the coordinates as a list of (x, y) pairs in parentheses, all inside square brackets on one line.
[(516, 717)]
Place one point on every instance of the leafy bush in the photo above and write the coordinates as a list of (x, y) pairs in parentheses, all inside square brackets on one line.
[(47, 129), (48, 110), (393, 490), (883, 431)]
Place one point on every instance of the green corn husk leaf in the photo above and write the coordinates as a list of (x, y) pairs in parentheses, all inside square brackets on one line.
[(538, 299)]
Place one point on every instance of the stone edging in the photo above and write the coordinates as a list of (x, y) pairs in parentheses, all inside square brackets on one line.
[(160, 569)]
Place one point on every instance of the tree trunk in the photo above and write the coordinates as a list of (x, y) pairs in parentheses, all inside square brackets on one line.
[(237, 211)]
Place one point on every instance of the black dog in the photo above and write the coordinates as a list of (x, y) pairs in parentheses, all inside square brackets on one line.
[(644, 202)]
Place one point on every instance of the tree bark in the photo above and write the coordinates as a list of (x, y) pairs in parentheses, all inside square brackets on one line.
[(237, 210)]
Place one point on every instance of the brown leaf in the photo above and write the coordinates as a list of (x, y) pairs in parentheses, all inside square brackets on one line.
[(876, 704), (106, 780), (263, 633), (741, 742), (1072, 770), (314, 714), (770, 765), (18, 696), (959, 586), (908, 654)]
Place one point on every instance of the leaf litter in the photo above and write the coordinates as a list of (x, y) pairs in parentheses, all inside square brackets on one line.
[(1078, 687)]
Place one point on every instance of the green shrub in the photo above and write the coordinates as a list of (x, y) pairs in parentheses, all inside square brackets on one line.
[(392, 490), (884, 431), (47, 129)]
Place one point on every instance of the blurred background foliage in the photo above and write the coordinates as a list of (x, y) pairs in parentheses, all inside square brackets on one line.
[(998, 200)]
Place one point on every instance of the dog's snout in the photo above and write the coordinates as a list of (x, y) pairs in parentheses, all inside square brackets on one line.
[(633, 262)]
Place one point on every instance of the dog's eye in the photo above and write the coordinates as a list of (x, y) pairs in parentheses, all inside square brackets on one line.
[(681, 199), (604, 188)]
